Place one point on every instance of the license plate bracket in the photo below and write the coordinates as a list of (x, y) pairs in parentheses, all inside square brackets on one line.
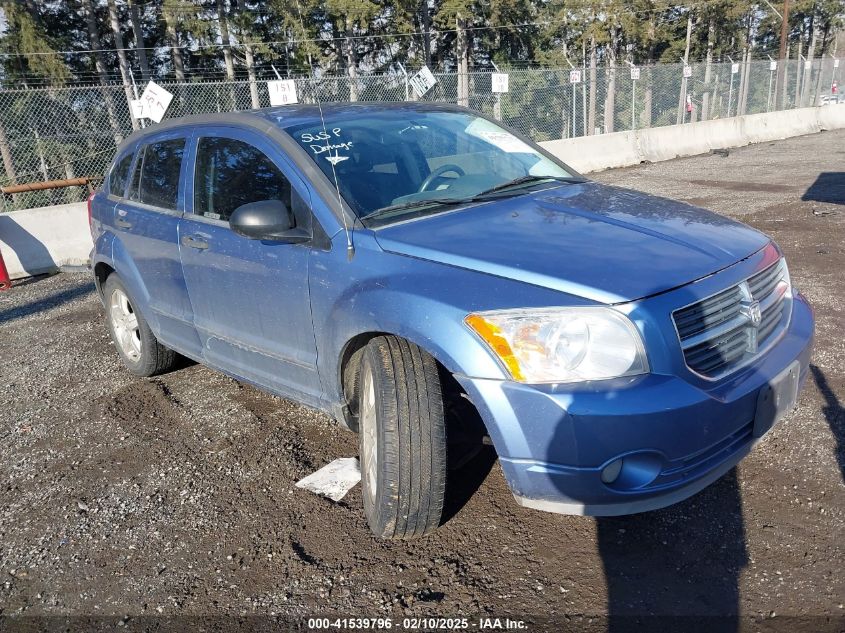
[(776, 398)]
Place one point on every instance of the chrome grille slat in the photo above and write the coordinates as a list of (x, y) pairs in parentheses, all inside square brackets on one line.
[(763, 282), (718, 333), (709, 313)]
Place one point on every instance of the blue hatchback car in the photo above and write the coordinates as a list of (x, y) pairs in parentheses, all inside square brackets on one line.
[(434, 280)]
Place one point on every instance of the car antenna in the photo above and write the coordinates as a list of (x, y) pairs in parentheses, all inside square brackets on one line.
[(350, 247)]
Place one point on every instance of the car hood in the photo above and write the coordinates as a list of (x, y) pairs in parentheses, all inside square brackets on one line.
[(592, 240)]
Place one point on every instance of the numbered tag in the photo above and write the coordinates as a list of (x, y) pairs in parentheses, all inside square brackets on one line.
[(423, 81), (155, 101), (500, 82), (734, 68), (575, 76), (282, 92), (687, 71), (635, 74)]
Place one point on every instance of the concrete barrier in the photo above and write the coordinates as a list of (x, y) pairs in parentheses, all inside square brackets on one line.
[(620, 149), (45, 239), (602, 151)]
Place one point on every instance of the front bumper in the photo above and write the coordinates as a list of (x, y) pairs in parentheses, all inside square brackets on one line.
[(674, 437)]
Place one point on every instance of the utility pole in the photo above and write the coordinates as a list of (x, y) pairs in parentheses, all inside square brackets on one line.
[(781, 79)]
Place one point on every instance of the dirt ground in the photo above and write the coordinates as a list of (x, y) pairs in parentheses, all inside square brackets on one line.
[(136, 500)]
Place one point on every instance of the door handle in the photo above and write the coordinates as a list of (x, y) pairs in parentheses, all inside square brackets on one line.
[(193, 241), (124, 224)]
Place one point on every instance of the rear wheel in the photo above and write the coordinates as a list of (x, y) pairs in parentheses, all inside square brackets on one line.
[(138, 347), (402, 438)]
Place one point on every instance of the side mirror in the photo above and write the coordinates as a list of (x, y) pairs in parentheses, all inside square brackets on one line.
[(266, 220)]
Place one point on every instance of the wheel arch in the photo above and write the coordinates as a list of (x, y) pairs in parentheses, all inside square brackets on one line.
[(102, 270), (349, 366)]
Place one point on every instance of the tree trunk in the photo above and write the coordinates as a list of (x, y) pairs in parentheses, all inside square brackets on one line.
[(594, 86), (682, 94), (811, 52), (746, 75), (800, 65), (6, 154), (351, 61), (250, 71), (426, 23), (121, 58), (138, 35), (785, 81), (173, 41), (223, 25), (708, 69), (463, 63), (648, 98), (610, 96), (94, 42)]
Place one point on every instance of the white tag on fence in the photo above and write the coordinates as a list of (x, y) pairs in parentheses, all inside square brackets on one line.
[(155, 101), (687, 71), (635, 73), (282, 92), (137, 108), (773, 65), (734, 68), (575, 76), (423, 81), (499, 82)]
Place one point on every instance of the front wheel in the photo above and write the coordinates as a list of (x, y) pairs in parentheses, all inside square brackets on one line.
[(402, 439)]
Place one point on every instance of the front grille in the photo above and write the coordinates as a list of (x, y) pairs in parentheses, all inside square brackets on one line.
[(726, 330)]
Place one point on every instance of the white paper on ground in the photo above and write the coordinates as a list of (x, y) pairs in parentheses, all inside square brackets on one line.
[(334, 479)]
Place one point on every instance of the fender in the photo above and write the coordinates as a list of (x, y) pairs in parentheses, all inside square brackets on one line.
[(421, 301), (123, 264), (101, 254)]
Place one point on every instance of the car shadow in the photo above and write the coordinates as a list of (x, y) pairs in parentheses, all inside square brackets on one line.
[(44, 303), (834, 413), (676, 569), (828, 187), (33, 255)]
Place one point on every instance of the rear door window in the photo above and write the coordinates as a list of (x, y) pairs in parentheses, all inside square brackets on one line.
[(231, 173), (159, 173), (120, 176)]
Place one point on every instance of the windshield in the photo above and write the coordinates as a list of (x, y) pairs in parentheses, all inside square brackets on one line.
[(402, 158)]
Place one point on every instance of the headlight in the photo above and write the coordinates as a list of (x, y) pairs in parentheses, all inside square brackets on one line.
[(562, 344)]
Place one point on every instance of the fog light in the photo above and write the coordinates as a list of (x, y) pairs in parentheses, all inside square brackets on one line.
[(610, 472)]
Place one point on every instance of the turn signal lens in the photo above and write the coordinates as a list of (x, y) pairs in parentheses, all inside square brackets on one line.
[(562, 344), (492, 335)]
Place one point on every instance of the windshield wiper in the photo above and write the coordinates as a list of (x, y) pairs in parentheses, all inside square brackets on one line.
[(416, 204), (523, 180), (483, 196)]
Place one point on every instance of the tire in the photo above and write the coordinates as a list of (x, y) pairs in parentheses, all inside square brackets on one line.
[(402, 439), (138, 347)]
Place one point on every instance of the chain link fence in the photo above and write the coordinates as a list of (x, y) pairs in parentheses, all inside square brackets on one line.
[(55, 133)]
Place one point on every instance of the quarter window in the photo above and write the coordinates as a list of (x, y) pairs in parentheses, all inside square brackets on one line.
[(159, 179), (231, 173), (120, 175)]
